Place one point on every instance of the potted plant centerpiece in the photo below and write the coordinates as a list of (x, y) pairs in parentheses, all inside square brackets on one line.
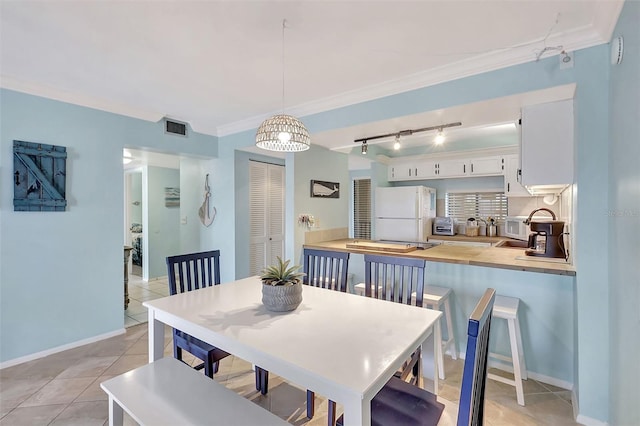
[(281, 287)]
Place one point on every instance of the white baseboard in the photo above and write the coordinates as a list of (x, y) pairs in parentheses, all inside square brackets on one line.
[(536, 376), (588, 421), (68, 346)]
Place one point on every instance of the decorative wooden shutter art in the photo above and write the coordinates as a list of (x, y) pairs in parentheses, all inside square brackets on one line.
[(39, 173)]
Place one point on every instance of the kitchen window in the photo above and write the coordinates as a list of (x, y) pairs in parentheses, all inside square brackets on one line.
[(479, 205), (362, 208)]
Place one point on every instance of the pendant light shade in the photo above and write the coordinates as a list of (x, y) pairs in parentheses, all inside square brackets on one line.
[(283, 133)]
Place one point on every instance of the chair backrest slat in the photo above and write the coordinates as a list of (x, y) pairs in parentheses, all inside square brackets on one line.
[(325, 269), (394, 278), (474, 376), (193, 271)]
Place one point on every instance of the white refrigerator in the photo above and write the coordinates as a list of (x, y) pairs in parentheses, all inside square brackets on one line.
[(404, 213)]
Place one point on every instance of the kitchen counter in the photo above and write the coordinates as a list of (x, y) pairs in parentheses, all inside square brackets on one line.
[(493, 257)]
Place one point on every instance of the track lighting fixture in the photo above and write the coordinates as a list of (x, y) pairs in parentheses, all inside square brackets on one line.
[(439, 137), (396, 145)]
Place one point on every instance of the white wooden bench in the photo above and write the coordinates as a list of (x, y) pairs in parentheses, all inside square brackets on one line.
[(168, 392)]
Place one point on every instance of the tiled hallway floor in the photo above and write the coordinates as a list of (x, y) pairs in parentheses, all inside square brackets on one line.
[(64, 389), (140, 291)]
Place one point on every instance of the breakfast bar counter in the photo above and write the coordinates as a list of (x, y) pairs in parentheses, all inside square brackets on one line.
[(546, 290), (493, 257)]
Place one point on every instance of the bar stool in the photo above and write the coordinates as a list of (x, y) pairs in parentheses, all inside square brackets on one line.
[(507, 308), (434, 298)]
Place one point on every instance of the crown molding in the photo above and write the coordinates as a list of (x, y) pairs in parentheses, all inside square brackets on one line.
[(11, 83), (580, 38), (599, 32)]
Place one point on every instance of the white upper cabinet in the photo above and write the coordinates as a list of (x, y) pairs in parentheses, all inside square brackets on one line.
[(547, 144), (451, 168), (512, 186), (487, 166), (411, 171)]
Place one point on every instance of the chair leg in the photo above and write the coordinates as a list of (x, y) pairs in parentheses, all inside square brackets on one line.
[(450, 333), (177, 352), (216, 365), (311, 404), (208, 368), (265, 382), (515, 356), (331, 416), (258, 378), (523, 365)]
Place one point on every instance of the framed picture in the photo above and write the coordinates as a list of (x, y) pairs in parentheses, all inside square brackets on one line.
[(171, 197), (323, 189)]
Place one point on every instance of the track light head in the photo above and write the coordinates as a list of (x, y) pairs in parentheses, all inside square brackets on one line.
[(363, 150)]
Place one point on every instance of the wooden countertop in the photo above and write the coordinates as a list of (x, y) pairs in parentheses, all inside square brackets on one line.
[(492, 257)]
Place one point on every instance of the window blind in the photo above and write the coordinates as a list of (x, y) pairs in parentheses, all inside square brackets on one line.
[(480, 205), (362, 208)]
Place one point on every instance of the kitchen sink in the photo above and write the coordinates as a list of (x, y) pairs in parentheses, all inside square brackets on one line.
[(517, 244)]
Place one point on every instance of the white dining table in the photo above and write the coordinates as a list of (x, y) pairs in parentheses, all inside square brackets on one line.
[(342, 346)]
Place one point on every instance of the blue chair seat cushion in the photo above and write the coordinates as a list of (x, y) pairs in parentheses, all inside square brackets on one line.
[(197, 347), (401, 403)]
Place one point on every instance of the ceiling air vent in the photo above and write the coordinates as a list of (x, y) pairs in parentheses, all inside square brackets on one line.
[(175, 127)]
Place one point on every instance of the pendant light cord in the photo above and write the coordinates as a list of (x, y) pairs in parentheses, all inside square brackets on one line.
[(284, 25)]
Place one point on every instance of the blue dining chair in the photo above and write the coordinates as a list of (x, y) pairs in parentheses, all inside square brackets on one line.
[(401, 280), (401, 403), (324, 269), (188, 272)]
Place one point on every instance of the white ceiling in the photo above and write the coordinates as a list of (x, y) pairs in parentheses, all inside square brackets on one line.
[(217, 64)]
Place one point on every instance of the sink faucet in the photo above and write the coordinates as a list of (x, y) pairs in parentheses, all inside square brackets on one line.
[(528, 221)]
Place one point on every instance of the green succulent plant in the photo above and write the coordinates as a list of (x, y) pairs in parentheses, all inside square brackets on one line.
[(281, 274)]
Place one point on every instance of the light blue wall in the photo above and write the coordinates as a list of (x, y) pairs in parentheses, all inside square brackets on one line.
[(164, 222), (191, 198), (590, 72), (59, 271), (96, 140), (623, 218), (318, 164)]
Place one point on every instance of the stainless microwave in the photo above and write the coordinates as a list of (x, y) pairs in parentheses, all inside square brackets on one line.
[(514, 227)]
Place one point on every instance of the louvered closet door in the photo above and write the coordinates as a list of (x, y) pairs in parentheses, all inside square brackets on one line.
[(266, 205)]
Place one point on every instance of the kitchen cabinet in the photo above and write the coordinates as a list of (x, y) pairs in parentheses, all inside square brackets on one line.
[(412, 171), (450, 165), (451, 168), (402, 171), (487, 166), (546, 144), (512, 186)]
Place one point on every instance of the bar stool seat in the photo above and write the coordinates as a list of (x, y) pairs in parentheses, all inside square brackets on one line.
[(507, 308)]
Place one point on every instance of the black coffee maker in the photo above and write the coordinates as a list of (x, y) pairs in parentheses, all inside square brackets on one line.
[(547, 239)]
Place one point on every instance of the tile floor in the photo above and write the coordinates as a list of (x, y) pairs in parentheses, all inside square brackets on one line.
[(140, 291), (64, 388)]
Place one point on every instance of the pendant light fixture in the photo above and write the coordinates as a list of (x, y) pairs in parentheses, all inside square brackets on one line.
[(282, 132)]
